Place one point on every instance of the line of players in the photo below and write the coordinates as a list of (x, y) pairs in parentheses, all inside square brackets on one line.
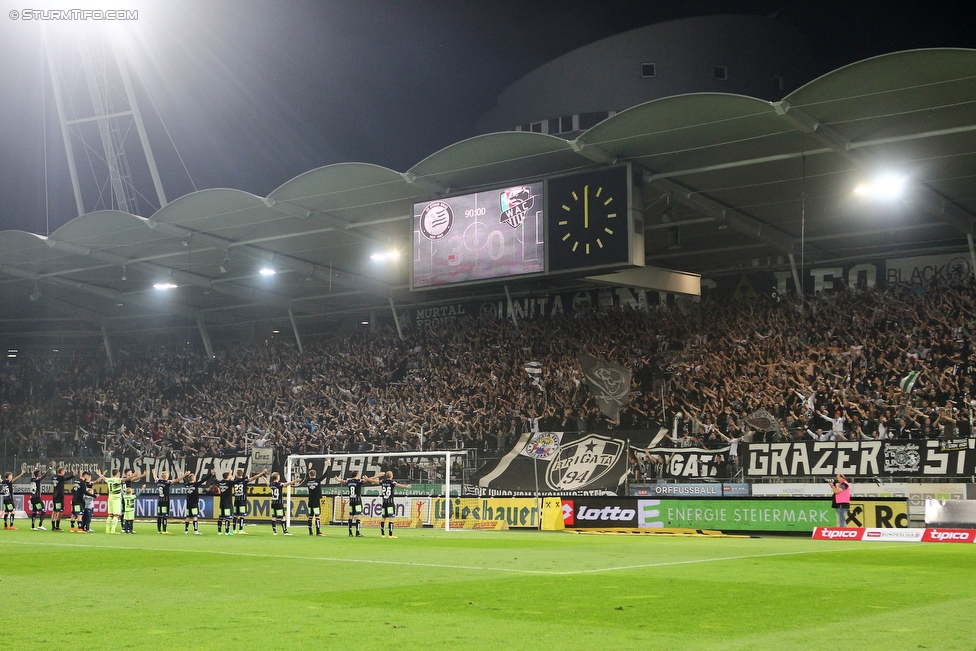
[(231, 511)]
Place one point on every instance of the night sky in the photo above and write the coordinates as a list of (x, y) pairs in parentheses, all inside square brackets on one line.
[(255, 93)]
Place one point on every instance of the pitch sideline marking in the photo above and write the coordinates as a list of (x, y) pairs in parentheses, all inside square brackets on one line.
[(450, 567)]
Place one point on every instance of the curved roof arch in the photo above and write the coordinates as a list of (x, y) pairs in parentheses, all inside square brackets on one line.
[(23, 248), (730, 174), (496, 158), (93, 229), (692, 130), (349, 191)]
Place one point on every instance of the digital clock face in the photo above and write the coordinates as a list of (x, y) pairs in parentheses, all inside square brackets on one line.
[(588, 220)]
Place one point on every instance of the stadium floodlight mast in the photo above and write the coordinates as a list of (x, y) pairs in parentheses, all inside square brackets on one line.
[(299, 461)]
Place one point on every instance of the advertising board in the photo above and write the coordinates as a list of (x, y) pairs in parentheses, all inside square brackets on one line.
[(515, 512), (934, 535), (599, 513), (689, 490), (735, 514), (414, 509)]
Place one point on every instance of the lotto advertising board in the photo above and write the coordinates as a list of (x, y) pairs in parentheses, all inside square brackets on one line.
[(600, 513), (480, 236)]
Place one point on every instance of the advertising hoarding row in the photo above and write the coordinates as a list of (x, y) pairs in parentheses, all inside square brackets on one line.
[(728, 514), (870, 534)]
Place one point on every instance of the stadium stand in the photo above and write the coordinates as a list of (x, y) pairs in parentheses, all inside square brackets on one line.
[(832, 371)]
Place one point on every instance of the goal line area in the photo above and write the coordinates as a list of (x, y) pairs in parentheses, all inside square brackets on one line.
[(427, 482)]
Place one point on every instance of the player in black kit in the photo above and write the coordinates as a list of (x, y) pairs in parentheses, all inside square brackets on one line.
[(193, 502), (387, 486), (57, 497), (354, 488), (163, 485), (36, 499), (7, 495), (77, 501), (240, 498), (225, 512), (314, 486), (278, 503)]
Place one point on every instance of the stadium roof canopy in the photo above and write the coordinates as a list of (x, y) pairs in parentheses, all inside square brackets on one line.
[(730, 182)]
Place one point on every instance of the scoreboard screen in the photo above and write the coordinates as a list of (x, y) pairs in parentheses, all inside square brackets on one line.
[(481, 236)]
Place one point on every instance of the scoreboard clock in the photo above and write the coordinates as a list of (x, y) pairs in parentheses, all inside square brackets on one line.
[(588, 220)]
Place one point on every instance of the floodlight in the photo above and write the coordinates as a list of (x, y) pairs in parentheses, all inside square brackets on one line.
[(267, 271), (383, 256), (164, 286), (885, 187)]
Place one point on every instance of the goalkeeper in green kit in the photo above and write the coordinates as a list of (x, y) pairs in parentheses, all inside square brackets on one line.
[(114, 484)]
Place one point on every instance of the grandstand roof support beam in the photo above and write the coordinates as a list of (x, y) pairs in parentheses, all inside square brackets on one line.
[(112, 295), (425, 184), (80, 313), (737, 220), (972, 254), (396, 319), (326, 220), (511, 306), (924, 196), (294, 328), (205, 335), (263, 255), (108, 348), (180, 276), (592, 152)]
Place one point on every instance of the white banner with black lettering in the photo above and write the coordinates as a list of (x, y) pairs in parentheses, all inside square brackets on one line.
[(858, 459)]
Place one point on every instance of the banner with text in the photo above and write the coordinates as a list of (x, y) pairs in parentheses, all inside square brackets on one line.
[(858, 459), (556, 463), (732, 514)]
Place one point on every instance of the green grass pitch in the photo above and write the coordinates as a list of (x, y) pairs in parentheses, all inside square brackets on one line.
[(430, 589)]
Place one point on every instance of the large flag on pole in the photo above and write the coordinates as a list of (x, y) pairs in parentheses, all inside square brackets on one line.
[(609, 383), (908, 382)]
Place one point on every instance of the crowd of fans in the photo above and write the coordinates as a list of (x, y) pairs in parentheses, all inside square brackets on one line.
[(827, 370)]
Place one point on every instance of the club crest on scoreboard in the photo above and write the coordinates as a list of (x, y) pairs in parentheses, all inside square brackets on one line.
[(436, 220), (515, 204)]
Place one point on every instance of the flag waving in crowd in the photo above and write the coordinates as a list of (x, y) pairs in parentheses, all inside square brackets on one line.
[(609, 383), (908, 382)]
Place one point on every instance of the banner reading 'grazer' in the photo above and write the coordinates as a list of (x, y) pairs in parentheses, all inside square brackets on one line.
[(859, 459), (556, 463)]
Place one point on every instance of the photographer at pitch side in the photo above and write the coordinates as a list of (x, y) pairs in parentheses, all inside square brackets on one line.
[(842, 498)]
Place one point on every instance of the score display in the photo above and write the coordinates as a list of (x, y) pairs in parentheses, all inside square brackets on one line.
[(480, 236)]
